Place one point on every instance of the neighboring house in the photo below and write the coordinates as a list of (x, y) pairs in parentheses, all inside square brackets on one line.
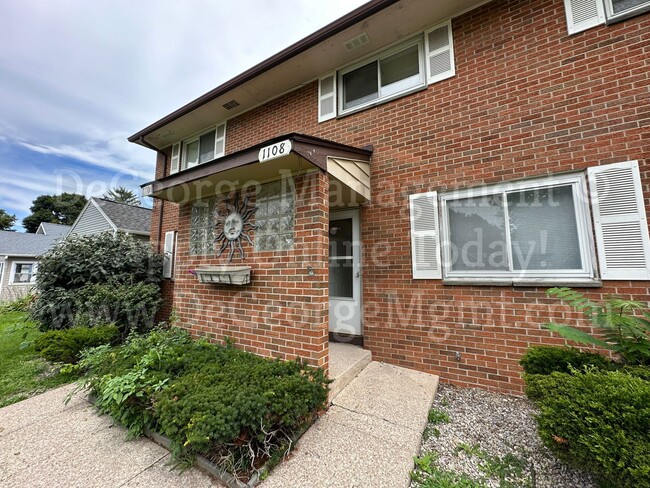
[(100, 215), (414, 176), (19, 255)]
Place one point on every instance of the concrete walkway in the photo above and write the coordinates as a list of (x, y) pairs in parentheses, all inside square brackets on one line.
[(369, 435), (366, 439), (44, 443)]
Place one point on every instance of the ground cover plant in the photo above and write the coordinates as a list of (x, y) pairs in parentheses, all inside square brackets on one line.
[(22, 372), (98, 279), (236, 409), (594, 412)]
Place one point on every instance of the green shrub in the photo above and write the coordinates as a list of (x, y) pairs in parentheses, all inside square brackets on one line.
[(598, 420), (19, 305), (233, 407), (623, 324), (549, 359), (132, 307), (67, 272), (65, 346)]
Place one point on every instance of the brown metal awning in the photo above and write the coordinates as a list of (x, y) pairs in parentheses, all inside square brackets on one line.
[(346, 164)]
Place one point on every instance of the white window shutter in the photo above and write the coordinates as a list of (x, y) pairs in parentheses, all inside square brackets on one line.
[(620, 221), (220, 141), (176, 158), (439, 53), (168, 255), (327, 97), (425, 236), (583, 14)]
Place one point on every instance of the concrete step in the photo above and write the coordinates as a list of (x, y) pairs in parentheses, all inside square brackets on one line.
[(345, 363)]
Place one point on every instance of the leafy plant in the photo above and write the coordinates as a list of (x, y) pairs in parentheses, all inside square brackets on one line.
[(548, 359), (19, 305), (437, 416), (597, 420), (623, 332), (237, 409), (103, 260), (65, 346), (428, 474)]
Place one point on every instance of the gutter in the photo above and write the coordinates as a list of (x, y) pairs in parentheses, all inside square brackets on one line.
[(339, 25), (142, 141)]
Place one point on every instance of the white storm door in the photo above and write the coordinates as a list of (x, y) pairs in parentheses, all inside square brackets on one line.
[(345, 273)]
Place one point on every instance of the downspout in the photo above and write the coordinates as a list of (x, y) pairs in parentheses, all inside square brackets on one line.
[(162, 202)]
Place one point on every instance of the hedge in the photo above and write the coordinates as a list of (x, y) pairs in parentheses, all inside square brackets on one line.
[(65, 346)]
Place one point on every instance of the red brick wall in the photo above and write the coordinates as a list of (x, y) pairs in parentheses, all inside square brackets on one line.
[(527, 100), (284, 311)]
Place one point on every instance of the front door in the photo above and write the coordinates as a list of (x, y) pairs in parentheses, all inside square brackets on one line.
[(345, 274)]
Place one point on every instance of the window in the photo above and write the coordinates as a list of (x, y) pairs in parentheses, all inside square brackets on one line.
[(398, 71), (23, 273), (202, 227), (532, 229), (585, 14), (274, 218), (200, 149), (391, 74), (620, 8)]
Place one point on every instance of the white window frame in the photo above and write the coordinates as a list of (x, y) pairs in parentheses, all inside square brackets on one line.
[(583, 221), (609, 9), (196, 137), (416, 41), (32, 278)]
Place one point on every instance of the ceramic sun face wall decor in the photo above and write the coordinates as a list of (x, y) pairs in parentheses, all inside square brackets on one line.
[(234, 225)]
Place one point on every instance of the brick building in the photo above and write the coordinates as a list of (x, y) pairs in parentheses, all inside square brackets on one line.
[(413, 177)]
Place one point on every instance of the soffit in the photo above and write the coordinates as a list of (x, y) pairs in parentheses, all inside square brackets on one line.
[(392, 24)]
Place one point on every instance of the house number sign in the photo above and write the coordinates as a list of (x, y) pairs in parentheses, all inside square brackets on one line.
[(274, 151)]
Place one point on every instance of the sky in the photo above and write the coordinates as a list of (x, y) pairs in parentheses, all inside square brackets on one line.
[(78, 77)]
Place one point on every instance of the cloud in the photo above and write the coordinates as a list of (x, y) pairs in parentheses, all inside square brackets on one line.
[(76, 78)]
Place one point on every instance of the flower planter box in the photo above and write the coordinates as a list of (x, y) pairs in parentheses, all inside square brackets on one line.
[(224, 275)]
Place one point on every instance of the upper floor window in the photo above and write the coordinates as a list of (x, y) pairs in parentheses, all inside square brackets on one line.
[(585, 14), (396, 72), (388, 75), (199, 149)]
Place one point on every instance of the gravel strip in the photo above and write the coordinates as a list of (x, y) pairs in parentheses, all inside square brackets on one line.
[(497, 425)]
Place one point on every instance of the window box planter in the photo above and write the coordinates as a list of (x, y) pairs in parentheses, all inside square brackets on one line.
[(224, 275)]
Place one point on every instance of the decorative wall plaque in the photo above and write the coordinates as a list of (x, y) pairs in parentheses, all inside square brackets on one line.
[(234, 225)]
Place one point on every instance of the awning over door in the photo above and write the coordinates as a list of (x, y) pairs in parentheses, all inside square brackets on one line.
[(347, 166)]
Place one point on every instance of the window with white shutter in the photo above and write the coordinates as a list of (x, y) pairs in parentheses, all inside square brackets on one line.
[(425, 238), (176, 158), (327, 97), (168, 255), (620, 221), (439, 47), (583, 14)]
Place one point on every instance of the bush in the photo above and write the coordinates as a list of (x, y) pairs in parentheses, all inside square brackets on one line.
[(549, 359), (133, 307), (237, 409), (19, 305), (598, 420), (89, 266), (65, 346)]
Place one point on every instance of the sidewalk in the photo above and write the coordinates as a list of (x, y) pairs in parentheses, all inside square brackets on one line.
[(367, 438), (45, 443)]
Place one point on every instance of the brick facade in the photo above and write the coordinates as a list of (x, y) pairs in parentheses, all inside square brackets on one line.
[(526, 100)]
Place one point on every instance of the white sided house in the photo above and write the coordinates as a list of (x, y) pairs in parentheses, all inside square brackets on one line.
[(19, 255), (100, 215)]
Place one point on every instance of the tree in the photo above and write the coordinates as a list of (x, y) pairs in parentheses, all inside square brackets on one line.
[(6, 220), (122, 195), (55, 209)]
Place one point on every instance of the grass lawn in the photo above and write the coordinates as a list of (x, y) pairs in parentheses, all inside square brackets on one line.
[(22, 372)]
